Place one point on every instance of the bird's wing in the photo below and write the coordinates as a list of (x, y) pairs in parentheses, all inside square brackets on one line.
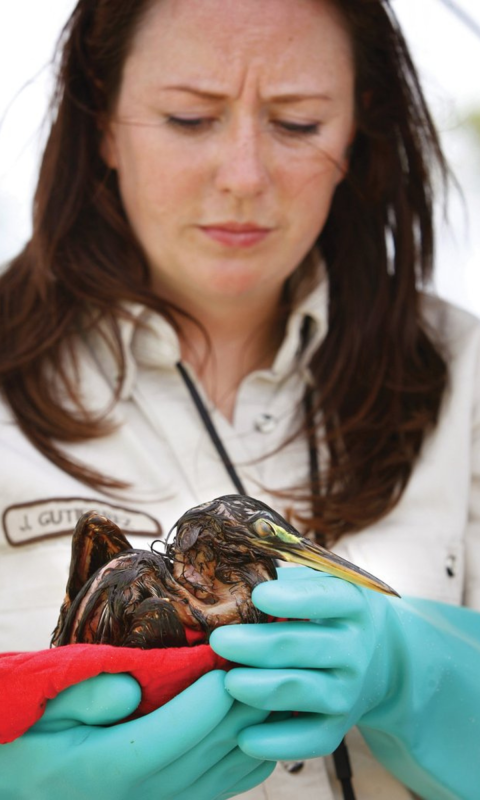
[(95, 541)]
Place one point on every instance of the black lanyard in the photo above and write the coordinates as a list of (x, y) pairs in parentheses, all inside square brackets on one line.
[(341, 759)]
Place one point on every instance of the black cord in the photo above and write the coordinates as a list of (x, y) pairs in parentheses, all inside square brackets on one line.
[(344, 771), (312, 449), (207, 421), (340, 756), (341, 759)]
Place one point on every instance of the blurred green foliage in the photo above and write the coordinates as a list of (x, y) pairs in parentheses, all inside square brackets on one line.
[(473, 124)]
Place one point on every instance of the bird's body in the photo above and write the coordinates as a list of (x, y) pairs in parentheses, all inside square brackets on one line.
[(222, 549)]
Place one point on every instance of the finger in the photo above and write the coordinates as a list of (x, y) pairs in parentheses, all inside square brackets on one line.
[(214, 747), (287, 572), (319, 691), (150, 743), (291, 644), (235, 770), (102, 700), (250, 780), (316, 597), (302, 737)]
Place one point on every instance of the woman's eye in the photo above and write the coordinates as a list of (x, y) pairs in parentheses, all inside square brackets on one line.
[(189, 123), (200, 124), (298, 129)]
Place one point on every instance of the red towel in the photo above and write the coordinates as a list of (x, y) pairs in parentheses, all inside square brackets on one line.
[(28, 680)]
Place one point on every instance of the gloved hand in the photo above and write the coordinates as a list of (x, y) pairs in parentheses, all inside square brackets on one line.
[(186, 749), (405, 671)]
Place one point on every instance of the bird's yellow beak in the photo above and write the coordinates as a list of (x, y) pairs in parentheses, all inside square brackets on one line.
[(287, 546)]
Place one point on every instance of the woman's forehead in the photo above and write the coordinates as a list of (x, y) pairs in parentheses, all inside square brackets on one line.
[(288, 44)]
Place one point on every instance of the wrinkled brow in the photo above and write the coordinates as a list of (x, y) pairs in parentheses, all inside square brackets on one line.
[(286, 97)]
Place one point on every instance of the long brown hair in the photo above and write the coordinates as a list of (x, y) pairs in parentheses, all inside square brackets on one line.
[(379, 377)]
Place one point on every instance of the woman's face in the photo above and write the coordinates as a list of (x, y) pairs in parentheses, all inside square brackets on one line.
[(229, 135)]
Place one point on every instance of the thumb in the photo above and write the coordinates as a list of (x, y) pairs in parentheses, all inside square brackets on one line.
[(102, 700)]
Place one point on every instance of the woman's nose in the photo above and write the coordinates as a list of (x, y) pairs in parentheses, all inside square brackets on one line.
[(242, 162)]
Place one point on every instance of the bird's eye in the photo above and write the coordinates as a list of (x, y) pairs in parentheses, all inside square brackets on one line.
[(263, 528)]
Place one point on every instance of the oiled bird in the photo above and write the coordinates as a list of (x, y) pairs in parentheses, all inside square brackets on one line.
[(222, 549)]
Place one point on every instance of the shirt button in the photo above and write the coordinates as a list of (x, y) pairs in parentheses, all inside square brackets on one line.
[(265, 423), (450, 566)]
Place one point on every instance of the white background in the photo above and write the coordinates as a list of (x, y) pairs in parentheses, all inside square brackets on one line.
[(447, 55)]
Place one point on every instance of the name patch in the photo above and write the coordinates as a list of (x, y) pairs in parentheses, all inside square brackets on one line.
[(57, 516)]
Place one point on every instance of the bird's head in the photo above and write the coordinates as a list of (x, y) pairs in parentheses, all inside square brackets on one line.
[(244, 529)]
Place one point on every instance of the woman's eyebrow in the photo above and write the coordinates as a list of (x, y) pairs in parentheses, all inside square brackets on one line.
[(195, 90), (296, 97), (286, 97)]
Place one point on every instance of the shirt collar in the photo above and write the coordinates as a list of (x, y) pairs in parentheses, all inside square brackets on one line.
[(149, 340), (295, 349)]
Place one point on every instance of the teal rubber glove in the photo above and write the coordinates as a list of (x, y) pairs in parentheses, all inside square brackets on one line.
[(186, 749), (407, 672)]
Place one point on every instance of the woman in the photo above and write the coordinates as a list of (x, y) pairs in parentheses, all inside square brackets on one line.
[(234, 215)]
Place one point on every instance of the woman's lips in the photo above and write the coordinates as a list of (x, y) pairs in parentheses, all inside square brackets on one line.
[(236, 235)]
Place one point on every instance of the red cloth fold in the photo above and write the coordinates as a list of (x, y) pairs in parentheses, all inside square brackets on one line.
[(28, 680)]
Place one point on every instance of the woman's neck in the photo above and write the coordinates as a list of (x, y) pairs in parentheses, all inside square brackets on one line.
[(224, 348)]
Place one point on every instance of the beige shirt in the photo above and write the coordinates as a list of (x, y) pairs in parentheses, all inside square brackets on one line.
[(429, 546)]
